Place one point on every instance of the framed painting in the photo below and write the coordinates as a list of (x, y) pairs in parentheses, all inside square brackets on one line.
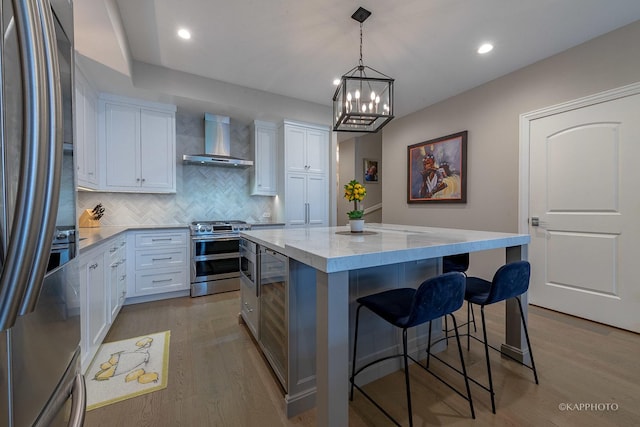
[(371, 171), (437, 170)]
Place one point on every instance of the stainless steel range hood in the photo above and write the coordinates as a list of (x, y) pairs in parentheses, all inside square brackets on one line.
[(217, 145)]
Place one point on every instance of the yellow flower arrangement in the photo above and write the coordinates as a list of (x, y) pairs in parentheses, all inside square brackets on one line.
[(355, 192)]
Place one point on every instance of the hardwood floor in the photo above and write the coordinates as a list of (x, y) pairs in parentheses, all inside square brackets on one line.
[(217, 377)]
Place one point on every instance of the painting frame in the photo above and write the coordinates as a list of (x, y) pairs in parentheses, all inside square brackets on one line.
[(437, 170), (371, 171)]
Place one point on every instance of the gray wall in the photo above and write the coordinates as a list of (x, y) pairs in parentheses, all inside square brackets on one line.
[(202, 192), (346, 172), (351, 166), (491, 115), (370, 147)]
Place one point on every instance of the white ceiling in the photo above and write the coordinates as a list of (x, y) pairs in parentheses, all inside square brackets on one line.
[(297, 47)]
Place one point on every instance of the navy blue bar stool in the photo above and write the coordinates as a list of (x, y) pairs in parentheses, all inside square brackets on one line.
[(510, 281), (459, 263), (409, 307)]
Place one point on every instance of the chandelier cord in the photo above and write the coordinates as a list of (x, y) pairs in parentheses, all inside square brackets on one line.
[(361, 63)]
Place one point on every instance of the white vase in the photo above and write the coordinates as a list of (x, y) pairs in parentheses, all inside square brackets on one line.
[(357, 225)]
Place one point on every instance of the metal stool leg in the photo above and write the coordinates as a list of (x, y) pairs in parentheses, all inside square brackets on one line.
[(464, 369), (428, 347), (446, 330), (469, 309), (406, 374), (486, 352), (526, 334), (473, 317)]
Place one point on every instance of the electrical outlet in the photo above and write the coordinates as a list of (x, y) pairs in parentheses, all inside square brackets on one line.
[(266, 215)]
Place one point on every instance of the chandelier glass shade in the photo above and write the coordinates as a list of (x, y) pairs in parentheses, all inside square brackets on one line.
[(363, 101)]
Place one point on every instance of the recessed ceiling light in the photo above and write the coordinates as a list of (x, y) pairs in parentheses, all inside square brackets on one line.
[(336, 82), (184, 33), (485, 48)]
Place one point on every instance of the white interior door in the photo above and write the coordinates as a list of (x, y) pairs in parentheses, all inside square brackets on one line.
[(584, 189)]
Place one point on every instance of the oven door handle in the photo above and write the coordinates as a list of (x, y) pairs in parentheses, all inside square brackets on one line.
[(215, 239), (215, 257)]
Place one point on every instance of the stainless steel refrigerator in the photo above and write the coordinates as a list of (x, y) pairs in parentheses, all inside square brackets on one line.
[(40, 379)]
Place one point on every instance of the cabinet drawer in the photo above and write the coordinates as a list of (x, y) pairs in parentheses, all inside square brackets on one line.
[(161, 239), (116, 244), (165, 280), (116, 254), (161, 258), (250, 307)]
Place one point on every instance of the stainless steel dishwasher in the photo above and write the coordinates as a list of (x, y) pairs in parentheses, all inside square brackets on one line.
[(274, 287)]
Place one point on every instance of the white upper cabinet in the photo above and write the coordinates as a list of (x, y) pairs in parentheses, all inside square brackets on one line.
[(264, 144), (137, 146), (86, 140), (306, 148)]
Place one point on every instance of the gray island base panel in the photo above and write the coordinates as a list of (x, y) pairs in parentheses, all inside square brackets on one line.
[(338, 258)]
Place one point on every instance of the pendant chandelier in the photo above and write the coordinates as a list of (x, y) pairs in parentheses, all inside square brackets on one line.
[(363, 101)]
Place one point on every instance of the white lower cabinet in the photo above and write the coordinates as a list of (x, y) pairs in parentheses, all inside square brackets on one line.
[(250, 307), (131, 264), (117, 275), (102, 281), (161, 262)]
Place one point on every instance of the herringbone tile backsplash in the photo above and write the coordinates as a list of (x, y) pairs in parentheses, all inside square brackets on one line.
[(202, 192)]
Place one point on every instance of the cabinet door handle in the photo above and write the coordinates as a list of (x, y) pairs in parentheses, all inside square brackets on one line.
[(160, 239), (161, 281), (93, 266), (161, 259), (307, 213), (112, 250), (143, 180)]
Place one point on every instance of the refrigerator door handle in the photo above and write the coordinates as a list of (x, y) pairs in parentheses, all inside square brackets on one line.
[(50, 147), (78, 402), (71, 386), (21, 243)]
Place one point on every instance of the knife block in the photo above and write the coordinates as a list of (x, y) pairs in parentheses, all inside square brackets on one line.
[(86, 220)]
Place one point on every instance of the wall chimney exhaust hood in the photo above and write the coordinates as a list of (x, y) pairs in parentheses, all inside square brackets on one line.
[(217, 144)]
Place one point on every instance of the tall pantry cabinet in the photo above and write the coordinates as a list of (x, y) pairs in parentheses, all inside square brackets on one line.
[(305, 191)]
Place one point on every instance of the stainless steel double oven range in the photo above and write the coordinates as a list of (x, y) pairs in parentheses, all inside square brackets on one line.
[(215, 256)]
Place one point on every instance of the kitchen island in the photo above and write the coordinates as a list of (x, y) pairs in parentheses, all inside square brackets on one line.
[(337, 256)]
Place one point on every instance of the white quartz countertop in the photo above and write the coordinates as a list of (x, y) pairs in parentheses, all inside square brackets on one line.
[(93, 236), (330, 250)]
